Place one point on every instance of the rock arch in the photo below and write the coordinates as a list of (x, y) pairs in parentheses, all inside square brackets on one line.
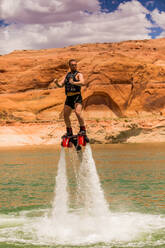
[(102, 98)]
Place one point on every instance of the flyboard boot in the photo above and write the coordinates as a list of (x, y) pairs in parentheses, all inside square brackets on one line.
[(68, 140), (82, 138)]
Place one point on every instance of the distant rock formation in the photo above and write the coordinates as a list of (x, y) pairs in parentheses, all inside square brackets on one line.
[(125, 79)]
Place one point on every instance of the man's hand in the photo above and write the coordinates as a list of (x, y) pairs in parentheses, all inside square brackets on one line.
[(59, 84), (55, 81), (79, 82), (71, 81)]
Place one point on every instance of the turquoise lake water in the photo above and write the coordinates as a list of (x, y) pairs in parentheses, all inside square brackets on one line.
[(132, 177)]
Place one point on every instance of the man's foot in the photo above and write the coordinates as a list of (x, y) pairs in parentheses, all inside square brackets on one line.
[(83, 133), (68, 133), (82, 130)]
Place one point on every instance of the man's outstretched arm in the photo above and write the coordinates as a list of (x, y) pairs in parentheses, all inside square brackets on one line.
[(59, 84)]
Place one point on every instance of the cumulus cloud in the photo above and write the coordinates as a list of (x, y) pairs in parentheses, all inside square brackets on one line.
[(41, 11), (159, 18), (36, 24)]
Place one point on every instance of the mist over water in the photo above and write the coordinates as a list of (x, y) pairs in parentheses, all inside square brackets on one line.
[(87, 221)]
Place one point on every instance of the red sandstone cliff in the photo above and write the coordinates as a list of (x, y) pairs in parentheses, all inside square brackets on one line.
[(124, 80)]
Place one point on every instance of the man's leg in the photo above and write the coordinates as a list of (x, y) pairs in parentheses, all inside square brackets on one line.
[(78, 112), (67, 113)]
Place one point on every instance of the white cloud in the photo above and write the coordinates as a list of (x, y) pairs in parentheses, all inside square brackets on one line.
[(159, 18), (57, 23), (133, 7), (162, 35), (41, 11)]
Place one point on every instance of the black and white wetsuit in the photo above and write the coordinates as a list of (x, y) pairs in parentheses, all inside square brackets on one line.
[(73, 92)]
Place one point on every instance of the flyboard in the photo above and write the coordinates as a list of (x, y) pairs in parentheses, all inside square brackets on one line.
[(77, 141)]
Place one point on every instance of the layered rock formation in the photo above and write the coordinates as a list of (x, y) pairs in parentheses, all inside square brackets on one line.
[(124, 81)]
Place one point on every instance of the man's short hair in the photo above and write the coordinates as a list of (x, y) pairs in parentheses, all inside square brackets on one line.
[(72, 60)]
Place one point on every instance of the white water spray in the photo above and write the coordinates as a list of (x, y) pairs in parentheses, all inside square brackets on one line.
[(60, 204), (90, 191), (84, 224)]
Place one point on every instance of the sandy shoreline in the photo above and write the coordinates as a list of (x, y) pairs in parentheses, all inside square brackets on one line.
[(100, 132), (28, 135)]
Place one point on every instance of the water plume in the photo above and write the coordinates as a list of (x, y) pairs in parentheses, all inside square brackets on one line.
[(60, 203), (90, 190)]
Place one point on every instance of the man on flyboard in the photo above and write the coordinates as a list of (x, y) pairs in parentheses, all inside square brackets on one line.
[(73, 81)]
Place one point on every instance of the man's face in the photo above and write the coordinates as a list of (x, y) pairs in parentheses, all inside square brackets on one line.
[(73, 66)]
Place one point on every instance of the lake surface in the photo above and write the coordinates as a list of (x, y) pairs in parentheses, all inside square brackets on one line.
[(132, 177)]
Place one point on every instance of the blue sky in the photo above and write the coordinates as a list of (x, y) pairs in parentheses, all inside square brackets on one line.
[(112, 5), (38, 24)]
